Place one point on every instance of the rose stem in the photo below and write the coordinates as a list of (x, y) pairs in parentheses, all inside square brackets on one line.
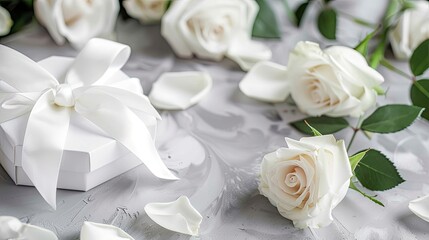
[(389, 66), (359, 21), (355, 131), (396, 70)]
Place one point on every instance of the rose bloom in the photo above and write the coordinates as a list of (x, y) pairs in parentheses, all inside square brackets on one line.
[(307, 180), (213, 29), (334, 82), (146, 10), (411, 29), (77, 20), (5, 22)]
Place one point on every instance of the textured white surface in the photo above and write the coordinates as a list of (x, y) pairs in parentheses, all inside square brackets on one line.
[(216, 147)]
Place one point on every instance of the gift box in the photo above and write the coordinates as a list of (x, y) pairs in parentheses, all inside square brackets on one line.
[(89, 159), (74, 123)]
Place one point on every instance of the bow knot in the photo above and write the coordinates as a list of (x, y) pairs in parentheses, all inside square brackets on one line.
[(64, 95), (97, 93)]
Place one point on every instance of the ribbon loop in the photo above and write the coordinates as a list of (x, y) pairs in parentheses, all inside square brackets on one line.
[(27, 87), (22, 73), (97, 61)]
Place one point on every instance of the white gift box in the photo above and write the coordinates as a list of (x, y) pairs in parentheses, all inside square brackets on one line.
[(74, 123), (90, 156)]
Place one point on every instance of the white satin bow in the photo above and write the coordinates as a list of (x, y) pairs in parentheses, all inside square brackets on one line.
[(27, 87)]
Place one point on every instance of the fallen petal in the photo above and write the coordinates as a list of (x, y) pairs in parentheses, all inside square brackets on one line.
[(12, 228), (178, 91), (92, 231), (246, 53), (32, 232), (179, 216), (420, 207), (266, 81)]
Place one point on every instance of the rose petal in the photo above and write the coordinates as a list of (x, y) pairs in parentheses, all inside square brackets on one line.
[(266, 81), (5, 21), (37, 233), (420, 207), (170, 30), (179, 216), (12, 228), (246, 52), (91, 231), (180, 90)]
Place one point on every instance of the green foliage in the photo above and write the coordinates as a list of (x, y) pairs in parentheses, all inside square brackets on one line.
[(376, 172), (300, 11), (391, 118), (420, 96), (327, 23), (419, 61), (313, 130), (326, 125), (355, 159), (265, 25)]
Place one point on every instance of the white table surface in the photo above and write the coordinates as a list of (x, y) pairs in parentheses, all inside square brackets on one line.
[(216, 148)]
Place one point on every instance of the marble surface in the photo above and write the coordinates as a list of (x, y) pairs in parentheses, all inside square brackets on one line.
[(216, 147)]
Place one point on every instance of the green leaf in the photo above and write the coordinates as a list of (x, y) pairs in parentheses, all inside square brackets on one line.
[(313, 130), (372, 198), (376, 172), (327, 23), (355, 159), (326, 125), (391, 118), (169, 2), (265, 25), (420, 96), (419, 61), (300, 11), (362, 47), (28, 2)]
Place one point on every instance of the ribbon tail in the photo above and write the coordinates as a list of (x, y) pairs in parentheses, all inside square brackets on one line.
[(43, 146), (119, 122)]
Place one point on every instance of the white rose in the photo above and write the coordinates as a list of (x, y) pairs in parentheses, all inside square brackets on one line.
[(334, 82), (307, 180), (411, 29), (146, 10), (213, 29), (5, 22), (77, 20)]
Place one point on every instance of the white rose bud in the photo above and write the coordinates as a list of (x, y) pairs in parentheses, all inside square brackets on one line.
[(213, 29), (307, 180), (77, 20), (411, 29), (5, 22), (334, 82), (146, 10)]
